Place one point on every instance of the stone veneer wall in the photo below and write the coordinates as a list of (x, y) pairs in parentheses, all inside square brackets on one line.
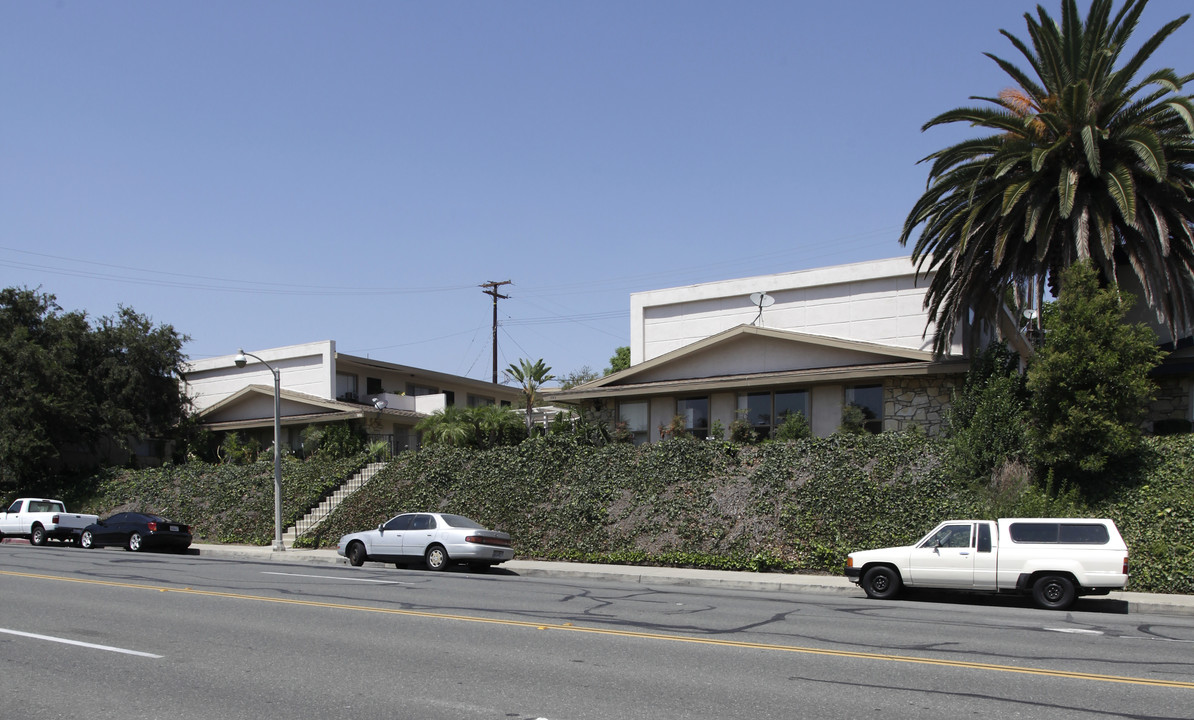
[(922, 401), (1173, 400)]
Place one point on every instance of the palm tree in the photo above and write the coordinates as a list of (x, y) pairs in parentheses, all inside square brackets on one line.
[(496, 425), (1086, 161), (450, 426), (531, 376)]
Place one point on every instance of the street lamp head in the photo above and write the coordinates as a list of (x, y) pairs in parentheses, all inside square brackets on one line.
[(240, 360)]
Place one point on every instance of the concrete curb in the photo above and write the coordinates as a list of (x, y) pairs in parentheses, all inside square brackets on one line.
[(1180, 605)]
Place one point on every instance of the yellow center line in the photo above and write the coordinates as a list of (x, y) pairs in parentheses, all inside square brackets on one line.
[(630, 633)]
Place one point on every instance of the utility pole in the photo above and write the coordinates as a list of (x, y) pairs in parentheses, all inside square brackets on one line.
[(492, 289)]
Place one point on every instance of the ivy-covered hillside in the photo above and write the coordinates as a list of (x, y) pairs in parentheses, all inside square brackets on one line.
[(787, 507), (790, 507)]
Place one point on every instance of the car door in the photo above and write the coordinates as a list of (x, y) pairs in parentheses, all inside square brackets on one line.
[(388, 542), (115, 529), (422, 533), (8, 520), (945, 559)]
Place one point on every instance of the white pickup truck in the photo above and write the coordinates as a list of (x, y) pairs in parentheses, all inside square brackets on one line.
[(1053, 559), (40, 519)]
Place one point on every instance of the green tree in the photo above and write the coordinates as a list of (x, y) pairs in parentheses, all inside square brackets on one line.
[(1089, 383), (450, 426), (794, 427), (1086, 160), (70, 393), (484, 426), (619, 361), (496, 425), (531, 375), (988, 415), (578, 377)]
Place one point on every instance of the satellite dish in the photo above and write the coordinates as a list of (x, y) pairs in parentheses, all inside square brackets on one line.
[(1029, 314), (762, 300)]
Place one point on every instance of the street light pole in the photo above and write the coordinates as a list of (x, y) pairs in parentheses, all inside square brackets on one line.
[(241, 360)]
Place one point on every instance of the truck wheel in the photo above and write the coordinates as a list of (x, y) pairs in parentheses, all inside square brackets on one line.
[(881, 583), (37, 536), (1053, 592)]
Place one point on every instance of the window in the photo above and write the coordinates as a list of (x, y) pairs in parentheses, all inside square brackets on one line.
[(413, 390), (346, 387), (402, 522), (15, 507), (766, 411), (634, 416), (373, 386), (423, 522), (869, 398), (950, 536), (1071, 533), (478, 401), (695, 412)]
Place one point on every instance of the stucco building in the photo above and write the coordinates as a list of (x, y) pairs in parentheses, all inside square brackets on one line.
[(320, 385), (759, 348)]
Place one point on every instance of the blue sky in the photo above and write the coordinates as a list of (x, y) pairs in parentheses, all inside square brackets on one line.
[(260, 174)]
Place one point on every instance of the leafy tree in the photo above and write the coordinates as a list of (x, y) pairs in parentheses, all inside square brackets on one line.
[(854, 418), (1086, 160), (794, 427), (531, 375), (620, 360), (988, 415), (578, 377), (70, 393), (1089, 383)]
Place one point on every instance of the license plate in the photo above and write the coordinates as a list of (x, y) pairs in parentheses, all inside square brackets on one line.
[(173, 528), (499, 553)]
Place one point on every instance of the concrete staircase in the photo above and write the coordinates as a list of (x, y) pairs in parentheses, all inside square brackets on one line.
[(330, 503)]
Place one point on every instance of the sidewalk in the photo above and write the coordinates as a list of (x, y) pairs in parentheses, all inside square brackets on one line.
[(1131, 602)]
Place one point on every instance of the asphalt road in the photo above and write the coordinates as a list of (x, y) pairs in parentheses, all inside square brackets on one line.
[(111, 634)]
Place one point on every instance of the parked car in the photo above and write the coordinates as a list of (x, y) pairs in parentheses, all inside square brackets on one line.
[(1054, 560), (137, 531), (437, 539)]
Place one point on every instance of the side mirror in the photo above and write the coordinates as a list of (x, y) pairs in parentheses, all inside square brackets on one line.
[(381, 528)]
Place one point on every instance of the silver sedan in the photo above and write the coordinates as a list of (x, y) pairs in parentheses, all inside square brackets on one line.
[(437, 539)]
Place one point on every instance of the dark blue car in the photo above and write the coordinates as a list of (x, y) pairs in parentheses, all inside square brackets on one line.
[(137, 531)]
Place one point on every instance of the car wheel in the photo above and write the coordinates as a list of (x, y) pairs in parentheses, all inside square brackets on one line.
[(356, 554), (87, 540), (1053, 592), (436, 557), (37, 536), (134, 542), (881, 583)]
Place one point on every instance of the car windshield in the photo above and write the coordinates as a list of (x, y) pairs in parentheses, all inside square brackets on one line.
[(459, 521)]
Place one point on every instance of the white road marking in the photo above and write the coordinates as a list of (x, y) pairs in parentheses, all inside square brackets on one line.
[(336, 577), (93, 646), (1075, 631)]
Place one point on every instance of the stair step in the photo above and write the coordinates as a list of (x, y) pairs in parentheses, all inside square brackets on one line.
[(330, 503)]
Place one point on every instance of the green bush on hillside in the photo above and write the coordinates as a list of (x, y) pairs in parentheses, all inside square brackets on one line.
[(788, 507), (224, 503)]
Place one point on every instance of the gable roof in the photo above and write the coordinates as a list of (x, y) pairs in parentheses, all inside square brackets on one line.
[(679, 370), (296, 409)]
